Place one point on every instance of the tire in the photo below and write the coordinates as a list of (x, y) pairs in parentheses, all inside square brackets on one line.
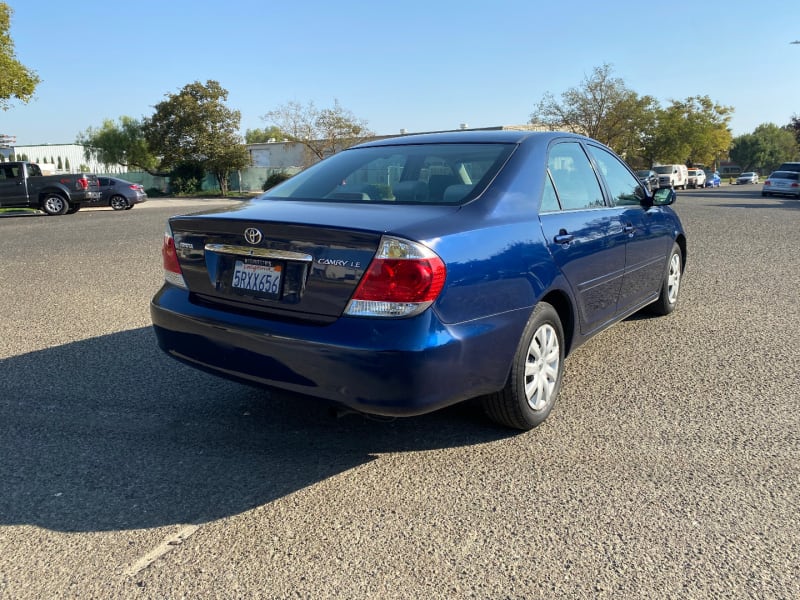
[(130, 206), (54, 204), (118, 202), (73, 208), (536, 373), (668, 298)]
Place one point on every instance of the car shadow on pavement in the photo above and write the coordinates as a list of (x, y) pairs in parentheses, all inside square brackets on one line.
[(110, 434)]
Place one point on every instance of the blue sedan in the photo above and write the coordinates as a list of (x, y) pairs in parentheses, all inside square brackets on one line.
[(405, 275)]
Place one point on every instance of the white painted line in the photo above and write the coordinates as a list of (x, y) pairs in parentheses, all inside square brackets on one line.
[(166, 546)]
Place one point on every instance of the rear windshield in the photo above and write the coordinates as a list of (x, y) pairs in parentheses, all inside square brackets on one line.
[(406, 173), (785, 175)]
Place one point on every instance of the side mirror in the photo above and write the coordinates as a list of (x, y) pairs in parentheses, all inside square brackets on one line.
[(664, 197)]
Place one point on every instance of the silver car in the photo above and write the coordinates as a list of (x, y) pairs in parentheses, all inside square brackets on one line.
[(119, 194), (748, 177), (786, 183)]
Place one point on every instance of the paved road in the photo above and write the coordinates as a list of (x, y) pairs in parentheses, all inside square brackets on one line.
[(669, 469)]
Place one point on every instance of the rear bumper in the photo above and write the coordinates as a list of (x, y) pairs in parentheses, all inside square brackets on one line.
[(396, 367)]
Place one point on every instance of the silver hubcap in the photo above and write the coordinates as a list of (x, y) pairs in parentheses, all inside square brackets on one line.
[(674, 278), (541, 367), (54, 204)]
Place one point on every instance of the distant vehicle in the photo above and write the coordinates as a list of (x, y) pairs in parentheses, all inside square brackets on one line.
[(119, 194), (22, 185), (789, 166), (672, 176), (697, 178), (649, 178), (746, 178), (403, 275), (712, 179), (785, 183)]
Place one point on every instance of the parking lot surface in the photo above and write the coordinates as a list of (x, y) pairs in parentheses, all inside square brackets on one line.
[(669, 469)]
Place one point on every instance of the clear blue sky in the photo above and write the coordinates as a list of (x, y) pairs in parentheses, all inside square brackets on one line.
[(413, 64)]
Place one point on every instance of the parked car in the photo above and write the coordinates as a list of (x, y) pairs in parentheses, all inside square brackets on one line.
[(747, 178), (697, 178), (712, 179), (649, 178), (785, 183), (789, 166), (404, 275), (119, 194)]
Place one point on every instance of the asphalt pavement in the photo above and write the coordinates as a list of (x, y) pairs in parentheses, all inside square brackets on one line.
[(670, 467)]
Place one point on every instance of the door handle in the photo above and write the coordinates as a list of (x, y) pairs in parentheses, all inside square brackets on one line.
[(563, 237), (629, 229)]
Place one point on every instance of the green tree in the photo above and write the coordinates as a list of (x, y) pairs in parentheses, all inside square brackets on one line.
[(691, 131), (122, 142), (66, 164), (322, 131), (262, 136), (601, 107), (794, 127), (16, 81), (195, 125), (60, 165), (764, 149)]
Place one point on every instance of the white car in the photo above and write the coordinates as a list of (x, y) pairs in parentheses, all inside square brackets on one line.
[(784, 183), (748, 177)]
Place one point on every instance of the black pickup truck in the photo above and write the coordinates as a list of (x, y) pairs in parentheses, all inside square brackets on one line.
[(22, 185)]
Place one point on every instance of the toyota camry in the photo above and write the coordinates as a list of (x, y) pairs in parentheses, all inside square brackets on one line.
[(404, 275)]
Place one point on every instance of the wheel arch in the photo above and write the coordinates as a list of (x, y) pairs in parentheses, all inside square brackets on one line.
[(560, 301)]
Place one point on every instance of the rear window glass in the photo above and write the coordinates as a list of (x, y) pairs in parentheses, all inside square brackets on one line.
[(785, 175), (408, 174)]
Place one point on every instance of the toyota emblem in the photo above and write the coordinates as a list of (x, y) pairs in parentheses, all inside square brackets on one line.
[(252, 236)]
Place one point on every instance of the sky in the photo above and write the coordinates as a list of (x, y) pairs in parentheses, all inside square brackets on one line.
[(418, 65)]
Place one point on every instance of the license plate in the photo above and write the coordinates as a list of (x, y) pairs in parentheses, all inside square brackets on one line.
[(263, 278)]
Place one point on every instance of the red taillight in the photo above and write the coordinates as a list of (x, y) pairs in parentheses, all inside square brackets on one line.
[(172, 268), (403, 279), (82, 183), (408, 280)]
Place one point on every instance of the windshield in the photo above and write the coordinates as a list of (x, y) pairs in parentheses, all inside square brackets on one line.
[(405, 173), (643, 173), (665, 170)]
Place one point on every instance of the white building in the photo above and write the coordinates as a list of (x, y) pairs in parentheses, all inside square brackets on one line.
[(61, 158)]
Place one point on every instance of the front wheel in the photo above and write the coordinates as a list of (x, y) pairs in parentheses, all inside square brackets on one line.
[(535, 379), (53, 204), (668, 298), (118, 203)]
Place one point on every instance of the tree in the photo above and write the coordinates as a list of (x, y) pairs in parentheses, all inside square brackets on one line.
[(794, 127), (603, 108), (262, 136), (195, 126), (322, 131), (123, 143), (691, 131), (766, 148), (16, 81)]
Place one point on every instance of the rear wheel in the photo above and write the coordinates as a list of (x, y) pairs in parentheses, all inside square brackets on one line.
[(73, 208), (53, 204), (118, 202), (671, 285), (535, 379)]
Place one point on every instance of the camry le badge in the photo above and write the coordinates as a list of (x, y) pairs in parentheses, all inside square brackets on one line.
[(252, 236)]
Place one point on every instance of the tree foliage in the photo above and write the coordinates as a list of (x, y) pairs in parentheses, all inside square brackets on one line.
[(16, 81), (195, 125), (122, 142), (694, 130), (764, 149), (603, 108), (262, 136), (322, 131), (691, 131)]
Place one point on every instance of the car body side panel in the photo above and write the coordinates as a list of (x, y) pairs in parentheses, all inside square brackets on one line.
[(592, 260)]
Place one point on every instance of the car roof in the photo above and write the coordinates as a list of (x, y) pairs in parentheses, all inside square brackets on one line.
[(507, 136)]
